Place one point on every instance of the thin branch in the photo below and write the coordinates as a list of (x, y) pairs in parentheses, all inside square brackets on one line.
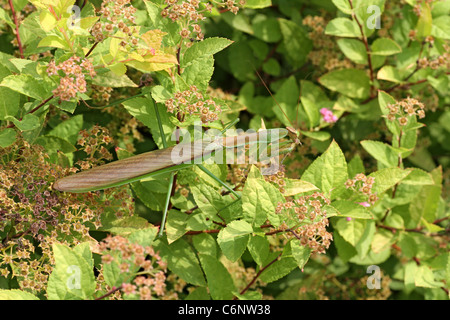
[(91, 49), (43, 103), (366, 44), (109, 293), (258, 274), (16, 22)]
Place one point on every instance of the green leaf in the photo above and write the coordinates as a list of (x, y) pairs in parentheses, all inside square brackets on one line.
[(300, 253), (295, 186), (124, 226), (25, 84), (259, 200), (424, 277), (351, 231), (241, 61), (382, 152), (382, 240), (29, 122), (343, 5), (351, 209), (199, 293), (9, 103), (208, 199), (258, 4), (312, 111), (395, 221), (68, 129), (47, 20), (272, 67), (204, 243), (7, 137), (425, 22), (72, 277), (343, 27), (355, 166), (16, 294), (387, 178), (111, 79), (55, 144), (440, 28), (267, 29), (220, 282), (204, 49), (143, 109), (199, 73), (317, 135), (345, 250), (363, 246), (182, 260), (54, 41), (385, 47), (233, 239), (144, 236), (176, 225), (329, 171), (390, 73), (259, 247), (384, 100), (353, 83), (425, 204), (354, 50), (280, 268), (287, 95), (418, 177), (297, 44)]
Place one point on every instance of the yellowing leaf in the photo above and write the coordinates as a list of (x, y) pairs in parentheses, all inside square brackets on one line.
[(47, 20)]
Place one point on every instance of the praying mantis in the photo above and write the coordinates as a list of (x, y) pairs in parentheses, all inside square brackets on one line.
[(163, 161), (166, 160)]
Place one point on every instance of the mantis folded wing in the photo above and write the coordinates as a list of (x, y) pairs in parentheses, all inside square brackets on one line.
[(155, 162)]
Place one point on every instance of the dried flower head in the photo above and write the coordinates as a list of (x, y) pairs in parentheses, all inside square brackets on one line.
[(72, 74), (305, 219), (192, 102), (402, 110)]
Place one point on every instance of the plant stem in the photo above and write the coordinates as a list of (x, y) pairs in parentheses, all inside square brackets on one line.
[(366, 44), (43, 103), (91, 49), (16, 22), (258, 274), (109, 293)]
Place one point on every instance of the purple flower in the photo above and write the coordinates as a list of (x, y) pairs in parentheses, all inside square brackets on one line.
[(349, 219), (328, 115), (364, 204)]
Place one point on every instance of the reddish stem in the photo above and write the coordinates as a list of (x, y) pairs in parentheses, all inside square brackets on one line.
[(16, 22)]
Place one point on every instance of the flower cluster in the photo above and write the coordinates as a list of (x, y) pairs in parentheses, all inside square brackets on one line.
[(325, 54), (405, 108), (131, 258), (328, 115), (305, 219), (442, 61), (116, 16), (36, 216), (363, 184), (93, 142), (192, 102), (191, 12), (100, 93), (278, 179), (73, 78)]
